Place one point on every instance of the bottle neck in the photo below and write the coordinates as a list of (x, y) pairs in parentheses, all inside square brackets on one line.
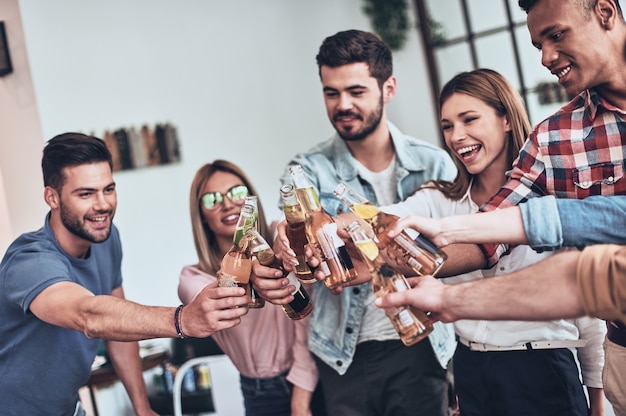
[(309, 201)]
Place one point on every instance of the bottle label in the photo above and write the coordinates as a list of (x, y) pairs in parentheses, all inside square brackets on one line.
[(405, 318), (294, 281), (226, 280), (300, 297), (325, 245), (331, 231), (408, 245), (401, 285), (324, 266), (340, 246)]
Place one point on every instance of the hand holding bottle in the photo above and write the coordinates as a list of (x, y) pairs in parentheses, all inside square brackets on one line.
[(412, 324), (430, 228), (301, 305), (427, 293), (283, 250), (418, 252), (363, 273), (426, 226), (282, 247), (321, 232), (271, 284), (213, 309)]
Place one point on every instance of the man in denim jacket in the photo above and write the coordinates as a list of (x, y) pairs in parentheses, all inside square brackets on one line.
[(364, 367)]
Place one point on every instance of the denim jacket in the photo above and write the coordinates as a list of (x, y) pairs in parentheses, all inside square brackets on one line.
[(335, 321), (551, 223)]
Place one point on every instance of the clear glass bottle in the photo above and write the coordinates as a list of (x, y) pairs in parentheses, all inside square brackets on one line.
[(411, 324), (258, 247), (296, 232), (419, 253), (319, 231), (256, 301), (236, 265)]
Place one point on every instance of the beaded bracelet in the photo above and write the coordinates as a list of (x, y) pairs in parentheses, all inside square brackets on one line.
[(177, 316)]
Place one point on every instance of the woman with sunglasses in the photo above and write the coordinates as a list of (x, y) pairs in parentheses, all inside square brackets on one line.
[(277, 374)]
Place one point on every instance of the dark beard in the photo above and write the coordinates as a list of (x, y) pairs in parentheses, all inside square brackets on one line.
[(73, 225), (371, 123)]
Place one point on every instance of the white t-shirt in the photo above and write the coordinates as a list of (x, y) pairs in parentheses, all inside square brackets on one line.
[(373, 328), (432, 203)]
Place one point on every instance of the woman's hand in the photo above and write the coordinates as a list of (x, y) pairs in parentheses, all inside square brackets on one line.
[(270, 284)]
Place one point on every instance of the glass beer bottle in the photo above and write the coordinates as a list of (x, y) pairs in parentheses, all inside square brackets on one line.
[(411, 324), (419, 253), (258, 247), (319, 232), (236, 265), (296, 232), (256, 301)]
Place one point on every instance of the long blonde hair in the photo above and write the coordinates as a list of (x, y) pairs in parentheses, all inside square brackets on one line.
[(209, 256), (497, 92)]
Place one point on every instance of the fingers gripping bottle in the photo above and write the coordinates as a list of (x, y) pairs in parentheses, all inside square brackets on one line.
[(419, 253), (236, 265), (320, 233), (296, 232), (301, 306), (411, 324), (256, 301)]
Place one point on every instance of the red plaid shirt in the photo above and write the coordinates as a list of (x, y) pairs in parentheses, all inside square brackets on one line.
[(577, 152)]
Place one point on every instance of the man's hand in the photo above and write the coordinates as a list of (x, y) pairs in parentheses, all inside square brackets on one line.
[(430, 227), (363, 273), (426, 294), (215, 308)]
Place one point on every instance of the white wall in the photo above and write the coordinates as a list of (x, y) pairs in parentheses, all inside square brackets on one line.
[(21, 202), (237, 78)]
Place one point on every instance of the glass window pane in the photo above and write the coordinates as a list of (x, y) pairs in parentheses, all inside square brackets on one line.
[(496, 52), (451, 60), (530, 57), (486, 14), (447, 19), (537, 111), (518, 15)]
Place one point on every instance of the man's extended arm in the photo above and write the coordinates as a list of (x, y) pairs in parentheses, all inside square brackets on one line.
[(70, 305), (544, 223), (544, 291), (566, 285), (552, 223)]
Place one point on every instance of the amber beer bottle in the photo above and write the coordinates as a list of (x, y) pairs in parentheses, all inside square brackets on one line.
[(419, 253), (411, 324), (296, 232), (258, 247), (336, 262), (256, 301), (236, 265)]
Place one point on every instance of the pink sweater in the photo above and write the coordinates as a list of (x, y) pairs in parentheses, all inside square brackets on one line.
[(265, 344)]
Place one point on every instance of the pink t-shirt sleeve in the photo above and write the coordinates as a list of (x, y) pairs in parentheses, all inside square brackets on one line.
[(191, 282), (303, 372)]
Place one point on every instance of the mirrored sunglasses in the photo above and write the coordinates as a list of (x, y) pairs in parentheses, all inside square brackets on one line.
[(236, 194)]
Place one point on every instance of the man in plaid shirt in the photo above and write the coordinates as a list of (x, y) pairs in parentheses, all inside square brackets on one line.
[(577, 152)]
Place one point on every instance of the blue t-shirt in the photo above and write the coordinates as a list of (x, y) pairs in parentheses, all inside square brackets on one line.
[(42, 366)]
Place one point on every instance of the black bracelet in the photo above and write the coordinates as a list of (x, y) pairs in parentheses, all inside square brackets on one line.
[(177, 322)]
